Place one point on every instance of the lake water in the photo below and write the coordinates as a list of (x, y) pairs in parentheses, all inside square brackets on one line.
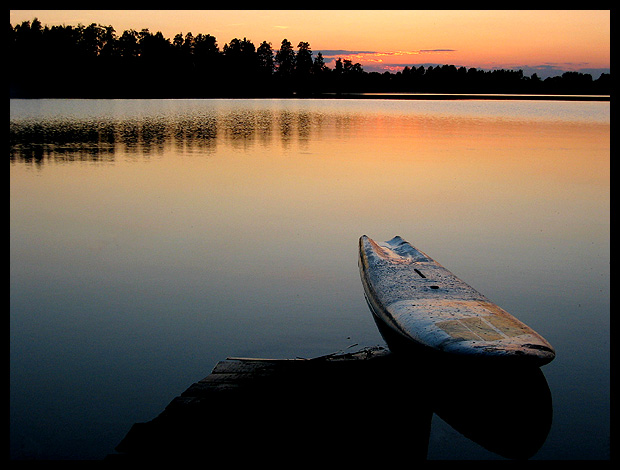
[(151, 239)]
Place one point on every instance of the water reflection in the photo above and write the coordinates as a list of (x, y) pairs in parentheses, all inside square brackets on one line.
[(103, 141), (507, 409), (41, 139), (167, 265), (37, 141)]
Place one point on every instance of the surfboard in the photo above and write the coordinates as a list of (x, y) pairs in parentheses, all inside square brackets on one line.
[(423, 304)]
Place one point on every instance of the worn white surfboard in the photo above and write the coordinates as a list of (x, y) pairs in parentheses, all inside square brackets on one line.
[(422, 302)]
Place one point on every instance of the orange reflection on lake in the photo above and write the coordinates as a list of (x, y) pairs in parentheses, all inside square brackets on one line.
[(174, 233)]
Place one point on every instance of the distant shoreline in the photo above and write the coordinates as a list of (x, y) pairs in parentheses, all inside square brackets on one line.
[(464, 96), (348, 96)]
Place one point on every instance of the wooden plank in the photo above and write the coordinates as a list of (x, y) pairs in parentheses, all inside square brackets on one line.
[(368, 405), (311, 407)]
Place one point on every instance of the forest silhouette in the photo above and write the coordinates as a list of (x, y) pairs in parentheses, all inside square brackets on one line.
[(95, 62)]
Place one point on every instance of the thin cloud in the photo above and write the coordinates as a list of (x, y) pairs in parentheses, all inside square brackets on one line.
[(424, 51), (379, 56), (380, 60), (336, 52), (331, 52)]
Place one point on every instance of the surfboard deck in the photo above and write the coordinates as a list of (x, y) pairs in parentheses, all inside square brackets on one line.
[(424, 304)]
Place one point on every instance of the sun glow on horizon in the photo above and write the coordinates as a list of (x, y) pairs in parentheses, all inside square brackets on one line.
[(386, 39)]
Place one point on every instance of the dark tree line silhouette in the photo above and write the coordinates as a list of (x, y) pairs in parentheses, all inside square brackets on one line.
[(94, 61)]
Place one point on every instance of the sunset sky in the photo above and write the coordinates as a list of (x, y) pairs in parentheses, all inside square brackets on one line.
[(547, 42)]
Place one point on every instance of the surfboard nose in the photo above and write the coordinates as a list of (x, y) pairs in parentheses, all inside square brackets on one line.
[(395, 249), (367, 244), (372, 251), (425, 304)]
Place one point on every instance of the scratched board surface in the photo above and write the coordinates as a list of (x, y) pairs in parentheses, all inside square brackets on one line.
[(427, 304)]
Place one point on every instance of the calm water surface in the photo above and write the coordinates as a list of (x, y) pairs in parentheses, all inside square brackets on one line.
[(152, 239)]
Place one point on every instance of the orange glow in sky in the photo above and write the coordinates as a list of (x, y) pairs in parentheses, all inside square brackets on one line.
[(386, 39)]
